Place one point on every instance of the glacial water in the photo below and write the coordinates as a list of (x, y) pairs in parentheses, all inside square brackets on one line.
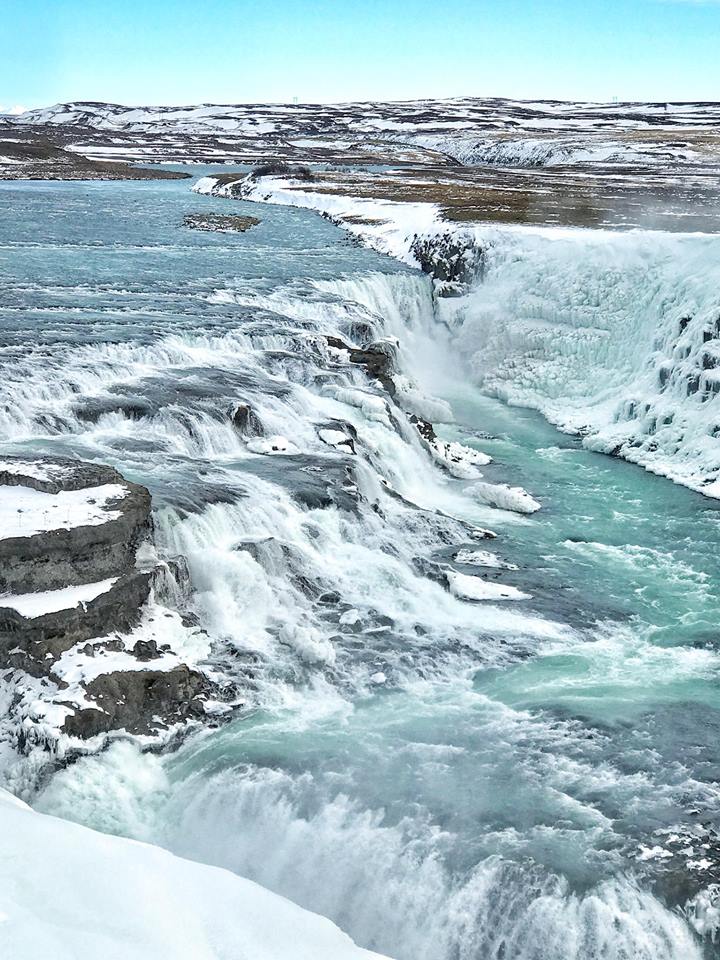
[(529, 780)]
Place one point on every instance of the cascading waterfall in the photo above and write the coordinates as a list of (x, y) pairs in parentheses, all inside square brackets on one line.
[(432, 774), (612, 335)]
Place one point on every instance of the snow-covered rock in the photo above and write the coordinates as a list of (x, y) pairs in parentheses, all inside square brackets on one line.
[(476, 588), (85, 647)]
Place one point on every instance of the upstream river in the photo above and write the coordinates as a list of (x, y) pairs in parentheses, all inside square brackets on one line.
[(531, 779)]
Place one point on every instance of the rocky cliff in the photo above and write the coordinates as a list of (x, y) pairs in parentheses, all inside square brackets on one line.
[(86, 645)]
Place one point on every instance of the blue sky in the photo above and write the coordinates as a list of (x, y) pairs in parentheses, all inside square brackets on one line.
[(224, 51)]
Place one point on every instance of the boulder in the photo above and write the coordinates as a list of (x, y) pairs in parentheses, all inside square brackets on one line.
[(133, 700)]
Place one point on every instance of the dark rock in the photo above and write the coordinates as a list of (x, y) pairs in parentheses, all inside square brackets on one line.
[(145, 650), (131, 700), (247, 422), (139, 701), (219, 222), (425, 429), (452, 260), (379, 359)]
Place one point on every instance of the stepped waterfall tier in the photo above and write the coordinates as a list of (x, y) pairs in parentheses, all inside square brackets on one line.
[(359, 556)]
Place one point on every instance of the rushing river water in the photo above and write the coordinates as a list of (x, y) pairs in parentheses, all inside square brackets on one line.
[(446, 780)]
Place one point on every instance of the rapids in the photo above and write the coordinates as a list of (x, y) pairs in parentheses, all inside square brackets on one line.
[(446, 780)]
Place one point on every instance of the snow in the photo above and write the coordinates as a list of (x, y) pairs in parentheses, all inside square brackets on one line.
[(482, 558), (33, 605), (475, 588), (92, 658), (558, 150), (70, 893), (459, 460), (472, 130), (334, 438), (39, 470), (386, 225), (205, 185), (25, 512), (504, 497), (271, 445), (40, 706)]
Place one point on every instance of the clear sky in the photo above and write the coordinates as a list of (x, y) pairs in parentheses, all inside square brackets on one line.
[(234, 51)]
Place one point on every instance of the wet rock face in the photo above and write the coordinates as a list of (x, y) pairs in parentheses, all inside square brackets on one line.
[(247, 422), (379, 359), (74, 602), (33, 642)]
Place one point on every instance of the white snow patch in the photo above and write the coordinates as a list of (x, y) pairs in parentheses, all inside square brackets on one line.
[(475, 588), (334, 438), (459, 460), (483, 558), (503, 497), (33, 605), (271, 445), (25, 512)]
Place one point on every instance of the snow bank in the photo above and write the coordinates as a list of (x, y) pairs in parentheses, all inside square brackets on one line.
[(385, 225), (504, 497), (482, 558), (70, 893)]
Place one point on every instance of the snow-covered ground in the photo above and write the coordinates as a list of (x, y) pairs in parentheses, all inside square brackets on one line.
[(471, 130), (69, 893)]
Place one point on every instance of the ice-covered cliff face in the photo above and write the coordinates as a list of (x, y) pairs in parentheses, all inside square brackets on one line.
[(614, 336)]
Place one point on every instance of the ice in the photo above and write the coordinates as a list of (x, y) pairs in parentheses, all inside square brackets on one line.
[(82, 894), (334, 438), (610, 335), (459, 460), (703, 912)]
